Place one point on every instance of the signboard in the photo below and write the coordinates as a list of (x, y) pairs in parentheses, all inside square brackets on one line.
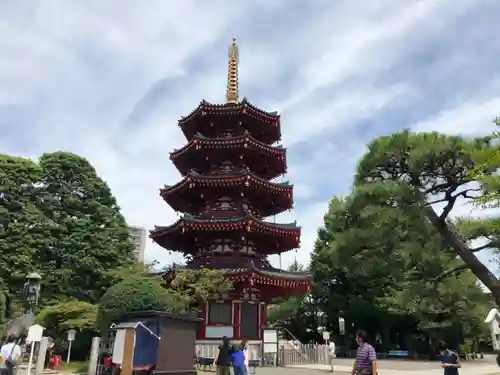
[(270, 342), (341, 326), (270, 336), (71, 335), (326, 335), (35, 333)]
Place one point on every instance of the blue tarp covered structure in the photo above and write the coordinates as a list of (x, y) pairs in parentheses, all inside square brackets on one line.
[(146, 342)]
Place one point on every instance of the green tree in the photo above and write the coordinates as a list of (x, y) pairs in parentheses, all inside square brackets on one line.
[(3, 306), (192, 287), (88, 239), (23, 229), (294, 315), (182, 295), (430, 169), (358, 257), (135, 294), (378, 263), (62, 317), (60, 219), (487, 161)]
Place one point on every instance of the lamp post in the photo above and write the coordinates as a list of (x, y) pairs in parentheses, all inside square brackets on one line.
[(32, 290)]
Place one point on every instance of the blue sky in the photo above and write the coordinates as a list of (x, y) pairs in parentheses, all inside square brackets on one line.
[(109, 80)]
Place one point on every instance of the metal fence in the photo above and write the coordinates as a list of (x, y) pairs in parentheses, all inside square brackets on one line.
[(289, 354), (303, 354)]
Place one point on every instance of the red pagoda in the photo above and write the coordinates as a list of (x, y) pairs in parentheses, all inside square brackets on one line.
[(225, 194)]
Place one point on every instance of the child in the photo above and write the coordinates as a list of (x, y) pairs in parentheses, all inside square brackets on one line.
[(238, 360)]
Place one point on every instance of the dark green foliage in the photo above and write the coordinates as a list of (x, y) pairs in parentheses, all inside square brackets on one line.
[(22, 225), (294, 315), (386, 260), (377, 263), (142, 293), (59, 319), (487, 161), (427, 169), (57, 217), (89, 233), (192, 287), (135, 294), (3, 306)]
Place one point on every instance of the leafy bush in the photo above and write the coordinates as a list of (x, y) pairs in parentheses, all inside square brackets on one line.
[(3, 306), (135, 294), (60, 318), (77, 315)]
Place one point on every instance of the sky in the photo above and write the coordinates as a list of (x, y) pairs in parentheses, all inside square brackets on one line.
[(109, 81)]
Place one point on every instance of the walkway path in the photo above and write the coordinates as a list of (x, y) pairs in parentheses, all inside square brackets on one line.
[(467, 369)]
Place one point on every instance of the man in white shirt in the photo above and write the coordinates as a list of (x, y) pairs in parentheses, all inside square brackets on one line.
[(331, 355), (10, 353)]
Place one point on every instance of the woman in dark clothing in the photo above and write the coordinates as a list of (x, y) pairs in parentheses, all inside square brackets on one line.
[(223, 357)]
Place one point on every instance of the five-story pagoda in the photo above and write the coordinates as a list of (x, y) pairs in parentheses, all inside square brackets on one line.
[(225, 194)]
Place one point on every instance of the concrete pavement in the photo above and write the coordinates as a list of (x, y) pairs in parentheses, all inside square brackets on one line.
[(467, 369)]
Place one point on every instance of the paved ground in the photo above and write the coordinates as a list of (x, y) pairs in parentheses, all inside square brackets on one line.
[(466, 370), (486, 366), (386, 367)]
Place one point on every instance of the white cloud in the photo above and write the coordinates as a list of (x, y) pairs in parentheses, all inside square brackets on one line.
[(109, 81), (469, 118)]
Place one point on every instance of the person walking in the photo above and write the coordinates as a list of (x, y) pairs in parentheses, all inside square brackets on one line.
[(449, 360), (223, 357), (10, 352), (331, 355), (366, 358)]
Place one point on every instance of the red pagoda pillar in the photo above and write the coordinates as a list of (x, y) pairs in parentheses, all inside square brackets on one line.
[(236, 319), (226, 192)]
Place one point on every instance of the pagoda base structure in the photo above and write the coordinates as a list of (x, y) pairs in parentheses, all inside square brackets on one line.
[(242, 313), (210, 333), (254, 314)]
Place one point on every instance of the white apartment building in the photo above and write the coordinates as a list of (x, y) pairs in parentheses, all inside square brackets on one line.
[(138, 237)]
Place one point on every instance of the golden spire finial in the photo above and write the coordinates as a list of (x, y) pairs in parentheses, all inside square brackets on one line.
[(232, 74)]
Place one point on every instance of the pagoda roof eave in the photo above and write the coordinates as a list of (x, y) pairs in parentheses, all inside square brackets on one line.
[(237, 107), (188, 220), (270, 272), (248, 176), (232, 140)]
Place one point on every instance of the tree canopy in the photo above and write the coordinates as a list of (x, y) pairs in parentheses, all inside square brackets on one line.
[(379, 264), (62, 317), (294, 315), (135, 293), (70, 315), (60, 219), (146, 292), (487, 161), (431, 173), (21, 238), (192, 287), (3, 306)]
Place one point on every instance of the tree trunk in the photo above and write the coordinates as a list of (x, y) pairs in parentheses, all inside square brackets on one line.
[(466, 254)]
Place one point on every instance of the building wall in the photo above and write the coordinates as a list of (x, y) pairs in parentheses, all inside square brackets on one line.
[(138, 237)]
